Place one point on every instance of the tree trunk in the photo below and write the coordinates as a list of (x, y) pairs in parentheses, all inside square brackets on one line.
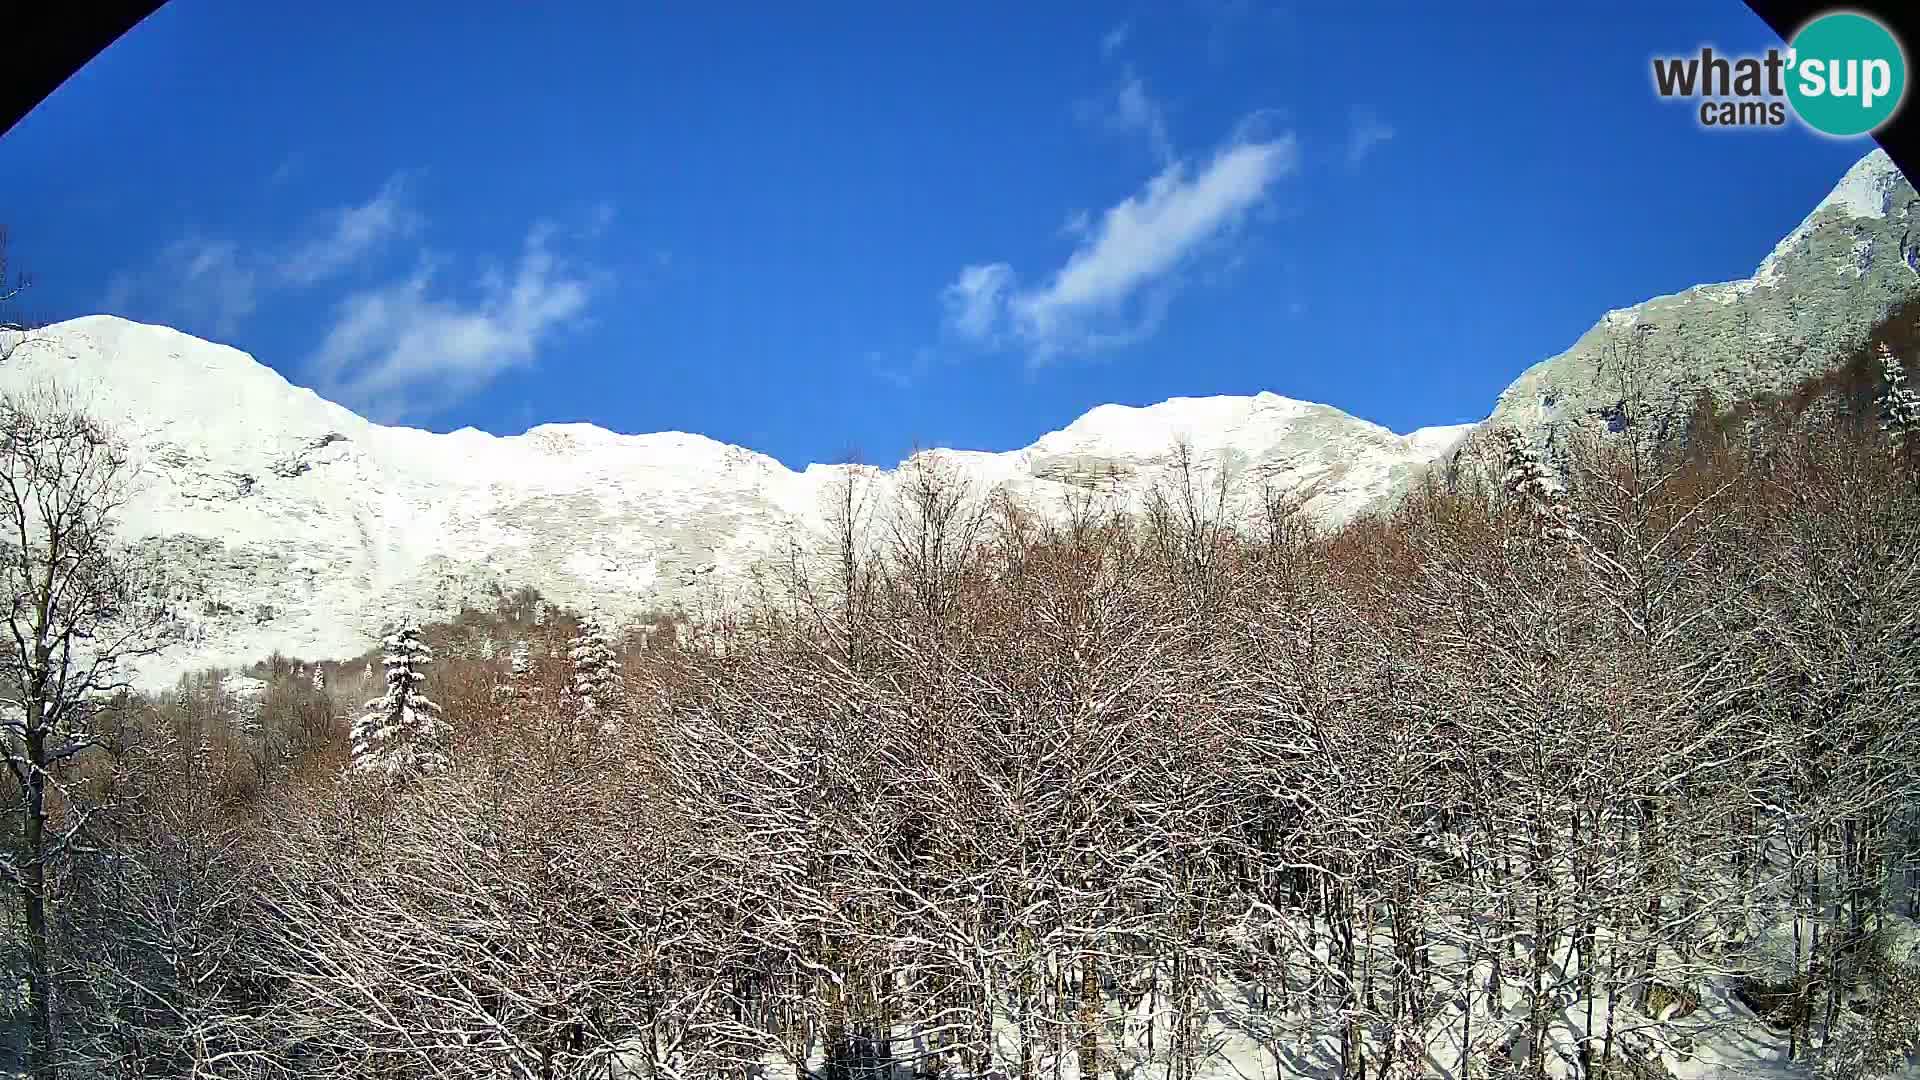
[(1089, 1018), (1537, 1020), (34, 882), (1585, 874), (1650, 963)]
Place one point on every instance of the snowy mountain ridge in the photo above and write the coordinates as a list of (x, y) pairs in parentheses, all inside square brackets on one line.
[(302, 527)]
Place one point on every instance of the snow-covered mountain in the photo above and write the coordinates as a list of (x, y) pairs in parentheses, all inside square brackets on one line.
[(302, 526)]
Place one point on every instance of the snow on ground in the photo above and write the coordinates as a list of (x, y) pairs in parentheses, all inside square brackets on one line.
[(243, 687), (1245, 1039)]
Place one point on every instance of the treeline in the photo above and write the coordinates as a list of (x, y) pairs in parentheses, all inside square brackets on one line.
[(1543, 775)]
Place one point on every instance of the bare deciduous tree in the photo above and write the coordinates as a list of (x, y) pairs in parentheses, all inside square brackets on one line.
[(13, 329), (80, 607)]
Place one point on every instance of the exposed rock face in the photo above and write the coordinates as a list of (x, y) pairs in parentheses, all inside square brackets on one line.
[(297, 525), (1808, 304)]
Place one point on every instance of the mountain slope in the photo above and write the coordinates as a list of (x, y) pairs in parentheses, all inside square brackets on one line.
[(1809, 303), (302, 527)]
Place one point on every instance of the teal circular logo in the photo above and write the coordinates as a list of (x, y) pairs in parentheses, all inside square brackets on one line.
[(1847, 75)]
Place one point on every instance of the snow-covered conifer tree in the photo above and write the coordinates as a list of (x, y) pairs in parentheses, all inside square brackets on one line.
[(596, 674), (401, 732), (1526, 478), (247, 709), (1899, 403), (519, 671)]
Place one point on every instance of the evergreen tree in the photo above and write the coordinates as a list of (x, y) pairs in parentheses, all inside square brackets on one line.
[(596, 674), (1527, 479), (1899, 404), (247, 708), (519, 673), (401, 733)]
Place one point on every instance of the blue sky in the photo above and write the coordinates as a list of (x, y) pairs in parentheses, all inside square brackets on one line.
[(861, 226)]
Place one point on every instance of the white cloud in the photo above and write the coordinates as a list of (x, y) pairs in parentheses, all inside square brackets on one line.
[(1135, 111), (407, 349), (351, 233), (212, 285), (403, 348), (1116, 285), (1130, 109), (1365, 132), (204, 282), (975, 299), (1115, 39)]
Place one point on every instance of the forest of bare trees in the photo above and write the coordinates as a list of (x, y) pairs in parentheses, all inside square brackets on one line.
[(1580, 775)]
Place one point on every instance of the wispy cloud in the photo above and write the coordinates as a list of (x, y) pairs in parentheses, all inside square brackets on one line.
[(1135, 111), (977, 299), (409, 349), (1115, 287), (197, 278), (348, 234), (1130, 109), (213, 284), (405, 348), (1365, 132)]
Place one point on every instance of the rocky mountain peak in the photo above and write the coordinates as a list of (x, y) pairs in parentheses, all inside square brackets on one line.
[(1808, 304)]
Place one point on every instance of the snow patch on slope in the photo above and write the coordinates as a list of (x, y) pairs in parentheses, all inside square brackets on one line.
[(1432, 442)]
